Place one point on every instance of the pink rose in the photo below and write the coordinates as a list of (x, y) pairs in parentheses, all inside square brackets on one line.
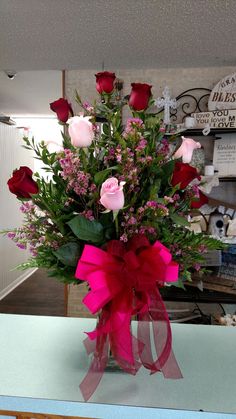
[(112, 195), (54, 146), (81, 131), (186, 149)]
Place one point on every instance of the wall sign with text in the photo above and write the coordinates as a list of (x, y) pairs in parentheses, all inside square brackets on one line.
[(224, 157), (223, 95), (216, 119)]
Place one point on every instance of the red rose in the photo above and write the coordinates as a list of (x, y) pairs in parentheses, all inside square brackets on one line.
[(105, 82), (22, 184), (202, 200), (62, 108), (139, 96), (184, 174)]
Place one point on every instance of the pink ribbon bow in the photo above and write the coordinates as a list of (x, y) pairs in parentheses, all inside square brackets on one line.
[(123, 282)]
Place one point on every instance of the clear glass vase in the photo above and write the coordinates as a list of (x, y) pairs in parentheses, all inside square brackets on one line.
[(112, 365)]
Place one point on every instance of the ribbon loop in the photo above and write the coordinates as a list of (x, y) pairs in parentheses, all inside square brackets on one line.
[(124, 281)]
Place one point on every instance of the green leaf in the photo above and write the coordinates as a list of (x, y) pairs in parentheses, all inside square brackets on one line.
[(44, 156), (156, 170), (103, 108), (66, 141), (86, 230), (101, 176), (27, 148), (77, 98), (68, 254), (151, 122), (168, 168), (154, 190), (167, 171), (177, 219), (105, 129), (178, 284)]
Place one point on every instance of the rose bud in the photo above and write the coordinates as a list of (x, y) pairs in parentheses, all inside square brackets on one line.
[(81, 131), (186, 149), (21, 183), (105, 82), (139, 96), (183, 174), (112, 195), (62, 108)]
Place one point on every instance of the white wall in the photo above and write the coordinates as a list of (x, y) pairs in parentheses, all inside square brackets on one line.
[(42, 129), (29, 95), (12, 156), (178, 79)]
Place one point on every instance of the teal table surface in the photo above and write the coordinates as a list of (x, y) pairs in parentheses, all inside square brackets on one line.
[(43, 361)]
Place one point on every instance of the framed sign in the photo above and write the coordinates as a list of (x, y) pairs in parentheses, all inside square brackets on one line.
[(216, 119), (223, 95), (224, 156)]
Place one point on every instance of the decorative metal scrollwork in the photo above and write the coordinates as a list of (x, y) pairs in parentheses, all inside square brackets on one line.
[(190, 101)]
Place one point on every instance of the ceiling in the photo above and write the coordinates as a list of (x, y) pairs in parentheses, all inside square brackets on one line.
[(29, 92), (110, 34), (38, 38)]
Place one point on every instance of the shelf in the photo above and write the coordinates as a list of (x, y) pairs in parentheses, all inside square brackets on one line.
[(193, 294), (7, 120), (227, 179), (217, 202), (214, 131), (220, 178), (217, 283)]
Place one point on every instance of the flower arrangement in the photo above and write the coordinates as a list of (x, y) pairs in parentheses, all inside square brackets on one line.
[(114, 211)]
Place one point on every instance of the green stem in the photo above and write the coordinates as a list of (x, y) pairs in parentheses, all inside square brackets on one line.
[(117, 226), (60, 225), (84, 158)]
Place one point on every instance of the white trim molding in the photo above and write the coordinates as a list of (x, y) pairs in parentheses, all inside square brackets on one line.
[(17, 282)]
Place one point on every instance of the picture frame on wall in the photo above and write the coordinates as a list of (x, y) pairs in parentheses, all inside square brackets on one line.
[(224, 155)]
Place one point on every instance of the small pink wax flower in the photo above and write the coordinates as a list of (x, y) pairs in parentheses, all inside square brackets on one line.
[(112, 195), (186, 149), (81, 131)]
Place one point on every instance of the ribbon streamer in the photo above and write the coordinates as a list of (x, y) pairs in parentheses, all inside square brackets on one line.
[(124, 281)]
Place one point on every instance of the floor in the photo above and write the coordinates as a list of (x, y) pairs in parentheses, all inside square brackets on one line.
[(37, 295), (45, 296)]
